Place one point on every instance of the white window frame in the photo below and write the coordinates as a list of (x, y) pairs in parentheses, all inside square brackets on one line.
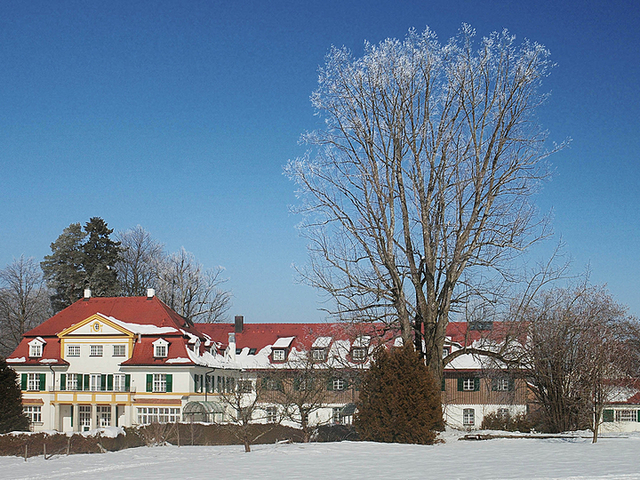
[(319, 354), (84, 417), (95, 379), (33, 382), (468, 384), (502, 385), (160, 382), (279, 355), (119, 351), (119, 382), (359, 354), (96, 351), (147, 415), (73, 350), (271, 414), (103, 416), (244, 386), (72, 381), (468, 417), (33, 412), (35, 350), (339, 384), (336, 416), (626, 415), (160, 348)]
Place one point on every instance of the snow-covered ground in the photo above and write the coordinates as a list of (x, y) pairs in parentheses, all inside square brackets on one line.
[(610, 458)]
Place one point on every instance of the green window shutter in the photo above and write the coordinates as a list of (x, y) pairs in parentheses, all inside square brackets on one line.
[(43, 382), (330, 384), (79, 382), (63, 381), (87, 385), (169, 383), (476, 384), (443, 385), (460, 384), (512, 384), (296, 384), (494, 385), (71, 415), (149, 382), (110, 382), (607, 415), (23, 382), (638, 415), (127, 382), (116, 414), (103, 382)]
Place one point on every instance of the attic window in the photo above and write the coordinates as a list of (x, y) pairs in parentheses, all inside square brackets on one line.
[(319, 354), (359, 354), (252, 351), (279, 355), (160, 348), (35, 349)]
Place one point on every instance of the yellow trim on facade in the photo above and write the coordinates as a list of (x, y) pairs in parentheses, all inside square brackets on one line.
[(95, 317)]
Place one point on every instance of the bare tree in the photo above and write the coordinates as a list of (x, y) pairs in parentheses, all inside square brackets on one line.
[(140, 259), (192, 291), (24, 302), (242, 397), (301, 389), (577, 354), (418, 196)]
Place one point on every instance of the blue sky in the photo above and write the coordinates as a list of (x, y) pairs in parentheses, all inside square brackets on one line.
[(179, 116)]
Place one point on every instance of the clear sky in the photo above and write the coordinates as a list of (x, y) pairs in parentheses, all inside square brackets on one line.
[(179, 116)]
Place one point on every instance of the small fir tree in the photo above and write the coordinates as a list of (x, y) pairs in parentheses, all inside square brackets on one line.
[(399, 402), (11, 415)]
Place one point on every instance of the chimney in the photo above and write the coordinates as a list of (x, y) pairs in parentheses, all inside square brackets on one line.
[(239, 323), (150, 293), (232, 346), (87, 293)]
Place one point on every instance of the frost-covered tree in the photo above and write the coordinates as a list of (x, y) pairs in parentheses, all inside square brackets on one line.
[(24, 302), (416, 194)]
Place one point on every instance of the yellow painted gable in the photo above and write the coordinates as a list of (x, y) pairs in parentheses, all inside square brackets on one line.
[(96, 325)]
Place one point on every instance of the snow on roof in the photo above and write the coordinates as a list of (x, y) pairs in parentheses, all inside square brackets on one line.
[(283, 342), (322, 342), (48, 360), (178, 360), (16, 360), (362, 341), (142, 329)]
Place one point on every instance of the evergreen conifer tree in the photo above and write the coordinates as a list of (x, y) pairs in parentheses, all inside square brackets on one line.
[(399, 402), (100, 257), (11, 416), (82, 259)]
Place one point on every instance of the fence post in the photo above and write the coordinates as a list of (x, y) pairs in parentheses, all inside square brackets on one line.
[(26, 451)]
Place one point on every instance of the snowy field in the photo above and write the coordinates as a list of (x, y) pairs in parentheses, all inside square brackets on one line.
[(610, 458)]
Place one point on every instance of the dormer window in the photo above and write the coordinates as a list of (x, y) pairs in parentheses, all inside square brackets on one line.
[(35, 347), (160, 348), (318, 354), (359, 354), (279, 354)]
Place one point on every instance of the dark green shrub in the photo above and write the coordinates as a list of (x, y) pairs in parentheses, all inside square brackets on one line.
[(11, 415), (399, 401)]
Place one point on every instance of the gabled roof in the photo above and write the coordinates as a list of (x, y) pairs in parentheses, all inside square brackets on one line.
[(133, 310)]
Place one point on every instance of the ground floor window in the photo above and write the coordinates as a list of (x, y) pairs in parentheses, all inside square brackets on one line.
[(84, 417), (626, 416), (271, 414), (103, 416), (34, 413), (158, 415), (337, 415), (468, 417)]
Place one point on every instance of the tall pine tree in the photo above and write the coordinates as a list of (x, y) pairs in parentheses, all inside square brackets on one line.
[(11, 416), (82, 259), (398, 402), (100, 257)]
